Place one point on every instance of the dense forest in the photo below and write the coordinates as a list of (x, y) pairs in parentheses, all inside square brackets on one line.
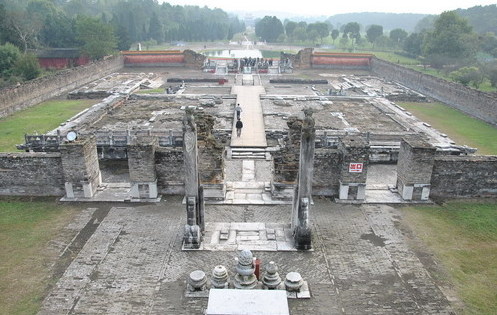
[(99, 28), (59, 23)]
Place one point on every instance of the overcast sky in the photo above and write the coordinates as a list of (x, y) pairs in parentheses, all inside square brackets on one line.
[(332, 7)]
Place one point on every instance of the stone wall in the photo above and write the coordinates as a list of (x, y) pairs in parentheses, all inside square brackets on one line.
[(141, 159), (327, 163), (475, 103), (13, 99), (31, 174), (464, 176), (80, 167), (170, 170), (210, 150)]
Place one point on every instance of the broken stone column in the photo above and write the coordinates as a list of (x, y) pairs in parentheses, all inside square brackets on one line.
[(193, 191), (80, 166), (245, 277), (353, 172), (414, 168), (197, 281), (220, 279), (302, 195), (142, 172), (293, 282), (271, 279)]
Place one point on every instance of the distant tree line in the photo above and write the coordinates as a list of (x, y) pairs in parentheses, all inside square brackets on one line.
[(445, 42), (100, 27)]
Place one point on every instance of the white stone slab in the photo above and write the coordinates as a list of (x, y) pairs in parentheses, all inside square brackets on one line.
[(247, 302)]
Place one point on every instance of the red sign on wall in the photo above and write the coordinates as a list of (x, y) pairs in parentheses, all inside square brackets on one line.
[(355, 167)]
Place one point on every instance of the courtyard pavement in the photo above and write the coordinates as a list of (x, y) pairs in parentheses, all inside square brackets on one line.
[(133, 263)]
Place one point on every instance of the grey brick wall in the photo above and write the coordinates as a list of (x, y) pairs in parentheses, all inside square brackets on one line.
[(415, 163), (31, 174), (464, 176)]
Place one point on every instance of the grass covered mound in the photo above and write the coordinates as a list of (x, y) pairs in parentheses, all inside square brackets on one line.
[(38, 119)]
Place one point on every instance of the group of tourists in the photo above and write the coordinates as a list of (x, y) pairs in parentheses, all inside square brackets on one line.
[(259, 63)]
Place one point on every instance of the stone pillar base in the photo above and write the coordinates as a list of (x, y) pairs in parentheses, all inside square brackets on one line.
[(416, 192), (352, 191), (144, 190), (69, 190)]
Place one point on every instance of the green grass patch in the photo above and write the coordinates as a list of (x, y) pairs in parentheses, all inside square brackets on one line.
[(25, 230), (463, 237), (460, 127), (37, 119), (151, 91)]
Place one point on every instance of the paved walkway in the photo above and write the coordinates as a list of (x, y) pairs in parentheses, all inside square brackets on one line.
[(253, 131)]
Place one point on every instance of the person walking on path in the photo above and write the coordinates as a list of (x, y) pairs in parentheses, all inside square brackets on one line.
[(239, 126), (238, 110)]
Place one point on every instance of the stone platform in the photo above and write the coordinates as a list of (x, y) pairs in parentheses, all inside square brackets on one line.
[(255, 236)]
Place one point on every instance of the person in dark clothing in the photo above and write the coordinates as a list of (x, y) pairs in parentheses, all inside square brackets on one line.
[(239, 126)]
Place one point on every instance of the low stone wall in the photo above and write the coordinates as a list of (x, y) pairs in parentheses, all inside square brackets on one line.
[(13, 99), (464, 176), (473, 102), (31, 174)]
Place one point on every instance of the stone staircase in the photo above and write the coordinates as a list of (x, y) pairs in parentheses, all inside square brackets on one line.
[(249, 153)]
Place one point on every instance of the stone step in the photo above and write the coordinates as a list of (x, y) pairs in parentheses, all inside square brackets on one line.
[(248, 153), (249, 157)]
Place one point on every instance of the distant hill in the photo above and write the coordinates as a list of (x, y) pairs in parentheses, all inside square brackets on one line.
[(482, 18), (389, 21)]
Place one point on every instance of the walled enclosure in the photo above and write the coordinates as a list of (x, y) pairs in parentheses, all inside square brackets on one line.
[(384, 124), (473, 102), (13, 99)]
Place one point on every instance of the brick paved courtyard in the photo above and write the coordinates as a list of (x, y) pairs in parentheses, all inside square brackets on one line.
[(133, 263)]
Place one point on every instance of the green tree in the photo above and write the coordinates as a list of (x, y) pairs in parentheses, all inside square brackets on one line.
[(334, 34), (398, 36), (98, 38), (300, 33), (155, 30), (373, 32), (290, 26), (491, 73), (352, 30), (269, 28), (321, 28), (25, 27), (413, 44), (9, 54), (452, 37), (468, 75), (488, 43), (28, 67)]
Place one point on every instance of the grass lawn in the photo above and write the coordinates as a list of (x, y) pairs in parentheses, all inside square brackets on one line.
[(25, 230), (40, 118), (463, 236), (151, 91), (458, 126)]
